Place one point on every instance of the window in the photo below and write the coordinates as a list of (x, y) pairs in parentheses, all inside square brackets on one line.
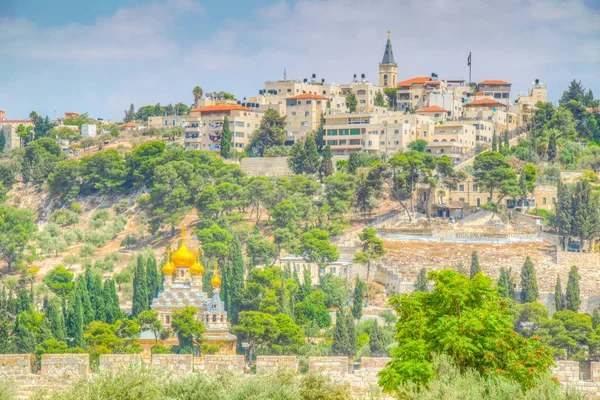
[(396, 131), (354, 131), (544, 200), (306, 113), (166, 122), (382, 143), (332, 142), (354, 141), (332, 132), (173, 122), (461, 188), (343, 132), (239, 123), (362, 102), (293, 112), (304, 123), (239, 134), (474, 188), (343, 142), (396, 142), (168, 319), (299, 102), (289, 90), (461, 199), (497, 95), (505, 95)]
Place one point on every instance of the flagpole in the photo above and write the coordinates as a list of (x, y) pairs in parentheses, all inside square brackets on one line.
[(469, 67)]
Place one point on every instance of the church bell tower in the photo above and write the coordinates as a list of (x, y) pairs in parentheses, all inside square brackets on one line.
[(388, 69)]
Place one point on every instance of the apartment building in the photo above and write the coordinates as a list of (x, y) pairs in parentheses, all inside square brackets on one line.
[(303, 114), (491, 110), (496, 89), (364, 91), (484, 132), (8, 128), (381, 131), (453, 139), (526, 101), (436, 113), (411, 93)]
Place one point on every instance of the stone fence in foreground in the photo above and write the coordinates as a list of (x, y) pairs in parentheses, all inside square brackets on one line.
[(61, 370)]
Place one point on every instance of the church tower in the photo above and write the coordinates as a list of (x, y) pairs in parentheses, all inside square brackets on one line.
[(388, 69)]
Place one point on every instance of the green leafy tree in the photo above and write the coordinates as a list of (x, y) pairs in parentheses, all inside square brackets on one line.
[(558, 295), (475, 267), (379, 100), (576, 92), (315, 247), (197, 92), (103, 172), (16, 228), (421, 283), (529, 287), (320, 133), (226, 139), (377, 342), (148, 321), (573, 295), (140, 288), (391, 96), (271, 132), (419, 145), (188, 329), (326, 165), (493, 173), (354, 163), (371, 249), (59, 281), (448, 320), (351, 102), (494, 142)]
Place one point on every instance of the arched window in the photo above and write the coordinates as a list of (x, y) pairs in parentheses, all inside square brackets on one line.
[(168, 319), (214, 318)]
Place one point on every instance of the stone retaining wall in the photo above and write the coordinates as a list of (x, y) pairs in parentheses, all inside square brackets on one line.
[(223, 362), (15, 364), (115, 362), (265, 364), (329, 365), (177, 364), (570, 375)]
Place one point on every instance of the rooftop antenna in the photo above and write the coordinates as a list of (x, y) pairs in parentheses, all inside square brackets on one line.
[(284, 74)]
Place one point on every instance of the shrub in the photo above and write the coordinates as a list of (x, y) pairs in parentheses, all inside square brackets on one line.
[(87, 250), (64, 217), (121, 206), (76, 207), (120, 223), (96, 238)]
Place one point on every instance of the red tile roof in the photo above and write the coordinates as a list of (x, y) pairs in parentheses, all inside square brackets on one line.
[(308, 96), (409, 82), (432, 109), (494, 82), (219, 108), (129, 125), (484, 102)]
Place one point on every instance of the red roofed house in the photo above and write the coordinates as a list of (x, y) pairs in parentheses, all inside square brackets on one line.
[(436, 113), (491, 110), (495, 89), (416, 92), (130, 126), (303, 114)]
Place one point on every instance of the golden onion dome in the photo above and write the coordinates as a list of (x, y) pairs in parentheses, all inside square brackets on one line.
[(169, 268), (216, 280), (183, 257), (197, 268)]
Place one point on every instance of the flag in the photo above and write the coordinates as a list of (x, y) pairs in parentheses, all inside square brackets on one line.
[(469, 60)]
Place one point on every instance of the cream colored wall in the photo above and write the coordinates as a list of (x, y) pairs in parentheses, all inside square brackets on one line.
[(303, 118), (12, 139)]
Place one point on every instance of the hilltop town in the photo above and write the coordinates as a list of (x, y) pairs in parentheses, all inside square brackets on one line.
[(294, 229)]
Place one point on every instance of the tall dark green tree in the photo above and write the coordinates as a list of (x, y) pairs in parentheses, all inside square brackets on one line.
[(236, 282), (23, 301), (573, 295), (89, 314), (475, 267), (552, 146), (226, 139), (24, 338), (529, 286), (377, 340), (564, 211), (353, 163), (352, 337), (341, 341), (55, 319), (421, 283), (95, 292), (153, 277), (358, 297), (586, 214), (505, 139), (75, 322), (111, 302), (494, 142), (326, 165), (351, 102), (320, 133), (311, 155), (140, 288), (558, 295), (506, 286)]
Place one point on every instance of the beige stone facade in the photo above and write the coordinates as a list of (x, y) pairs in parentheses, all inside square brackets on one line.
[(495, 89), (303, 114), (455, 140)]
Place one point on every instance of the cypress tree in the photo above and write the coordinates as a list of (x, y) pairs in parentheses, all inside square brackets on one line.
[(353, 163), (506, 140), (564, 210), (358, 297), (226, 138), (7, 345), (23, 301), (320, 133), (24, 338), (552, 146), (95, 292), (341, 341), (421, 283), (529, 287), (55, 319), (595, 318), (475, 267), (238, 270), (573, 295), (326, 166), (505, 283), (352, 337), (140, 288), (494, 142), (111, 301), (89, 314), (558, 295), (377, 341), (225, 277), (75, 320), (152, 276), (311, 155)]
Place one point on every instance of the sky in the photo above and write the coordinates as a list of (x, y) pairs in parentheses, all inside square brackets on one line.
[(100, 56)]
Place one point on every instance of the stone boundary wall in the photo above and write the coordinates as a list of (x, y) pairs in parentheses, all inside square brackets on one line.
[(59, 371), (570, 375)]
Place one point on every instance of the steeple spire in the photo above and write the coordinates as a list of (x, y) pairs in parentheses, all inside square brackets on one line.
[(388, 55)]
